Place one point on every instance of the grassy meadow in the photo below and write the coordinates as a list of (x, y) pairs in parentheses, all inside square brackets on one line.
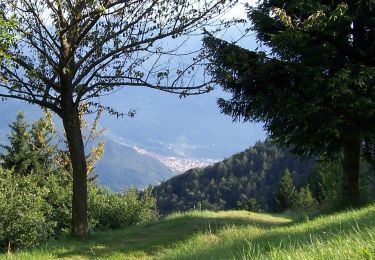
[(225, 235)]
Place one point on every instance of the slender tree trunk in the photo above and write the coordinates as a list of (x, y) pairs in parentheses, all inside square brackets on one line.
[(77, 155), (350, 167)]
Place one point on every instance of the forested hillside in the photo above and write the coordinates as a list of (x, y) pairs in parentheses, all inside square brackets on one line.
[(246, 180)]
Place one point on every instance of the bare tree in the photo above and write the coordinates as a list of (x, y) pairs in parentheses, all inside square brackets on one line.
[(73, 51)]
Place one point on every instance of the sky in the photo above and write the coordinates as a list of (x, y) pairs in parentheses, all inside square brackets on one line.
[(239, 10), (198, 133)]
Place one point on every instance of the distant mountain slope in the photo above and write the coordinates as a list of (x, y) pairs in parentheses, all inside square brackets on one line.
[(246, 177), (122, 167), (191, 127)]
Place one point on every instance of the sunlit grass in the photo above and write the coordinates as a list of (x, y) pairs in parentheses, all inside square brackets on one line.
[(225, 235)]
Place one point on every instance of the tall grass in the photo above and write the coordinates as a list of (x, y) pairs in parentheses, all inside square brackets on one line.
[(226, 235)]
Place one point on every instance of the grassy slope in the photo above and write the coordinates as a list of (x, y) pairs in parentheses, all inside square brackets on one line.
[(227, 235)]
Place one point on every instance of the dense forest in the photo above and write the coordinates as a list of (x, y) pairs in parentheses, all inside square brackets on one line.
[(246, 180), (264, 177)]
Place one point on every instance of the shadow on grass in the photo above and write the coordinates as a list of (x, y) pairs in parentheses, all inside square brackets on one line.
[(285, 237), (150, 239)]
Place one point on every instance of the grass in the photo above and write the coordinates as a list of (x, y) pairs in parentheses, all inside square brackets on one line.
[(225, 235)]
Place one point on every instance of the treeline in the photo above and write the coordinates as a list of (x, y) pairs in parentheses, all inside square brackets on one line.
[(36, 190), (262, 178)]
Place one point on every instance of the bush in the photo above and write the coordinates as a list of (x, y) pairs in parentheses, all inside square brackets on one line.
[(22, 207), (305, 200), (109, 210), (59, 199), (36, 207)]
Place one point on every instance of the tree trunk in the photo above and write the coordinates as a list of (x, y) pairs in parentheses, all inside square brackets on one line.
[(77, 155), (350, 174)]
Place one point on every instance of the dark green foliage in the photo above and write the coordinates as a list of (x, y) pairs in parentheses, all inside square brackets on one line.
[(286, 194), (314, 88), (325, 183), (19, 154), (305, 200), (313, 73), (246, 180), (250, 204), (287, 197), (32, 149)]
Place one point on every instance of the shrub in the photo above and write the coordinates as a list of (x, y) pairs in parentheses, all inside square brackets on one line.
[(22, 206), (36, 207), (59, 201), (109, 210), (305, 200)]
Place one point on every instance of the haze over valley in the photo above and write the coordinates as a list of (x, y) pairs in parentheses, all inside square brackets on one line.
[(167, 136)]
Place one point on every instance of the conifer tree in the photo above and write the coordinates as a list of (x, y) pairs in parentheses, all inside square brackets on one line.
[(285, 196), (18, 154), (313, 87), (305, 199)]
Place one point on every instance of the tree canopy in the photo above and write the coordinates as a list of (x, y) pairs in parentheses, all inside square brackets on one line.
[(7, 36), (313, 83)]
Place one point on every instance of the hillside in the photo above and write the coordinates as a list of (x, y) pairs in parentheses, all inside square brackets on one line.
[(226, 235), (122, 167), (246, 180)]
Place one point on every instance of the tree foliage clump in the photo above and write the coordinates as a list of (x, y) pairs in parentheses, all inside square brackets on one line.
[(109, 210), (23, 222), (31, 149), (286, 194), (18, 153), (7, 35), (313, 84), (37, 207), (288, 197)]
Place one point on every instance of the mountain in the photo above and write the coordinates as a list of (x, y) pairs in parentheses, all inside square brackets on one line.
[(249, 177), (122, 167), (191, 128)]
